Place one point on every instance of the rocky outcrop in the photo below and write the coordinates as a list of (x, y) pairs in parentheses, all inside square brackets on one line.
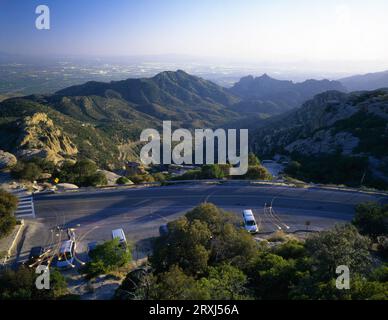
[(325, 141), (7, 160), (332, 122), (39, 137)]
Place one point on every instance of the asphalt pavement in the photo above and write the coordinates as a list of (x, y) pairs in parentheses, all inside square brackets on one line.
[(141, 211)]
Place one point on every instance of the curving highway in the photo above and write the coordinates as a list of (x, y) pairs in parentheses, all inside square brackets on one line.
[(141, 211)]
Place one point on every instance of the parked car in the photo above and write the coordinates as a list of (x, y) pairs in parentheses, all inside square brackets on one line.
[(119, 234), (66, 255), (35, 255), (249, 221), (163, 230)]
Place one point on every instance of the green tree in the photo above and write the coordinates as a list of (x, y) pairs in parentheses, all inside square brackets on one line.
[(291, 249), (174, 284), (253, 160), (107, 257), (212, 171), (29, 171), (83, 173), (371, 219), (205, 235), (257, 173), (8, 205), (96, 179), (20, 284), (209, 214), (342, 245), (185, 246), (273, 277), (225, 282), (232, 245)]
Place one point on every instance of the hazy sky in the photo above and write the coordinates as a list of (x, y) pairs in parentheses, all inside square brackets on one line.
[(278, 31)]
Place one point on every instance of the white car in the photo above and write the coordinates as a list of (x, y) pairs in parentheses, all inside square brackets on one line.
[(249, 221), (120, 235), (66, 255)]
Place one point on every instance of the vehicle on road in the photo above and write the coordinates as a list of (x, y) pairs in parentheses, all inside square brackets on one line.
[(66, 255), (119, 234), (35, 255), (163, 230), (91, 246), (249, 221)]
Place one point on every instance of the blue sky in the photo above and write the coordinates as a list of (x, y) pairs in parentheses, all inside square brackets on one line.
[(254, 30)]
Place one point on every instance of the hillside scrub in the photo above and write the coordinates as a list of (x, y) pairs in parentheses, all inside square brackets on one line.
[(8, 205), (207, 255), (334, 169), (83, 173)]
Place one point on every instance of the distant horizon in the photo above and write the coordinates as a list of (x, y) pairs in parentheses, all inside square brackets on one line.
[(293, 69), (344, 37)]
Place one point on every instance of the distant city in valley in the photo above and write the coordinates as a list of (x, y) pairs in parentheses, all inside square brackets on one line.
[(24, 75)]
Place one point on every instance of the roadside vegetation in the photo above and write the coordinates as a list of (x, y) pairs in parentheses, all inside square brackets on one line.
[(107, 257), (8, 205), (20, 285), (221, 171), (82, 173), (207, 255), (334, 169)]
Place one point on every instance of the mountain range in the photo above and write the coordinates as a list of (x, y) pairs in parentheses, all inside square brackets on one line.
[(369, 81), (103, 121), (351, 126), (265, 93)]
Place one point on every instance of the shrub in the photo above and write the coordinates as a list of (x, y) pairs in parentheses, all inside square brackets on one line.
[(83, 173), (8, 205), (107, 257), (371, 219), (257, 173), (142, 178), (26, 171), (122, 181)]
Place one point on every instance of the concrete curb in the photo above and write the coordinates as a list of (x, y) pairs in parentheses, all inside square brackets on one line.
[(217, 181), (9, 252)]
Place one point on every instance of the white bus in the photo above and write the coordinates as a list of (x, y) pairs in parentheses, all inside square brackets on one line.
[(119, 234), (249, 221), (66, 255)]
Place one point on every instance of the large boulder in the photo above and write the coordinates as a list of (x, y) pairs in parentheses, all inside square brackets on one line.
[(7, 160), (66, 186), (112, 177)]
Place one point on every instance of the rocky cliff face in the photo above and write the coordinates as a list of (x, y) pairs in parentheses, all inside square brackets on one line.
[(332, 122), (39, 136)]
